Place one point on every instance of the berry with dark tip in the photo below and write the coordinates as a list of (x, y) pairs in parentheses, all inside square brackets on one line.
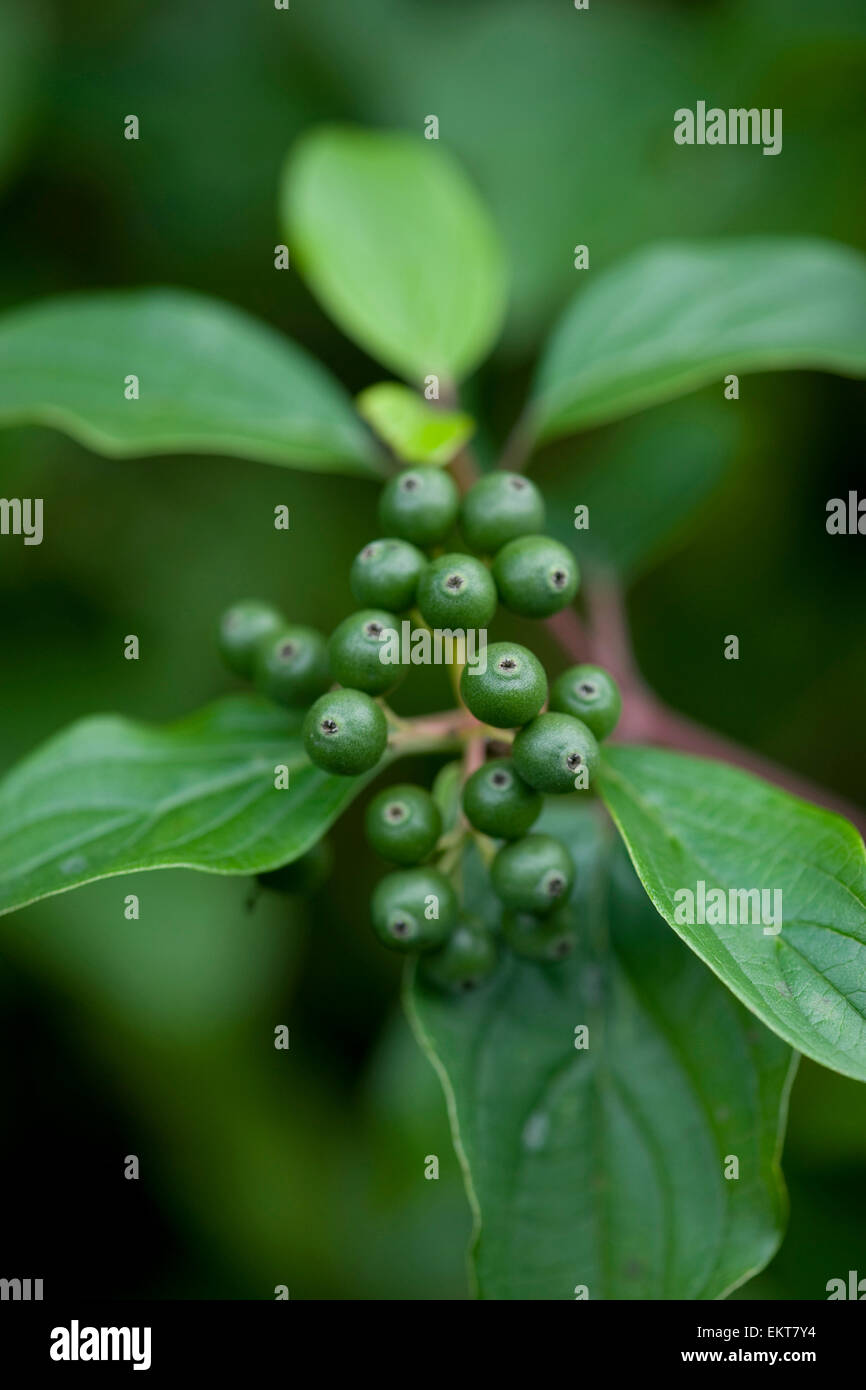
[(554, 752), (499, 508), (545, 939), (359, 649), (385, 574), (345, 732), (414, 909), (591, 694), (509, 691), (291, 666), (457, 592), (498, 802), (467, 959), (532, 874), (242, 628), (403, 823), (419, 505), (535, 576)]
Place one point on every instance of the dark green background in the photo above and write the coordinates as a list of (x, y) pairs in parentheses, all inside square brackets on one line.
[(155, 1037)]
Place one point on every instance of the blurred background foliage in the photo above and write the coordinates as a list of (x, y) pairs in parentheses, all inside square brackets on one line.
[(155, 1037)]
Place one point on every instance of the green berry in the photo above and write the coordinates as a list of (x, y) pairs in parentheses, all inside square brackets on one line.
[(403, 823), (509, 691), (589, 693), (498, 508), (403, 906), (535, 576), (359, 648), (532, 874), (467, 958), (419, 505), (291, 666), (552, 751), (457, 592), (304, 875), (498, 802), (545, 939), (242, 628), (385, 574), (345, 732)]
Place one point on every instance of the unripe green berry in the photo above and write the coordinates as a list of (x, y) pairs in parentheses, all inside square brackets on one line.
[(545, 939), (358, 648), (345, 732), (509, 691), (304, 875), (419, 505), (535, 576), (385, 574), (498, 508), (403, 823), (457, 592), (532, 874), (555, 750), (467, 958), (498, 802), (589, 693), (291, 666), (242, 628), (403, 905)]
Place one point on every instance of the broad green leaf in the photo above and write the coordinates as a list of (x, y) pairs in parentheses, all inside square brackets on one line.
[(650, 476), (605, 1166), (679, 315), (687, 821), (109, 796), (398, 247), (210, 380), (413, 429)]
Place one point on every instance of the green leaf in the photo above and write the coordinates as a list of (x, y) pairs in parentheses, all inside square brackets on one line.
[(211, 380), (688, 821), (605, 1166), (679, 315), (109, 796), (414, 430), (647, 480), (398, 247)]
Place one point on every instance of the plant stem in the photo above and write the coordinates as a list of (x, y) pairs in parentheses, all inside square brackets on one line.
[(517, 447), (485, 847), (465, 469), (464, 466), (647, 719)]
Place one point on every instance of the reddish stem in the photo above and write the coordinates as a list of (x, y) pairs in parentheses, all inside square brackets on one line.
[(464, 469), (517, 447), (647, 719)]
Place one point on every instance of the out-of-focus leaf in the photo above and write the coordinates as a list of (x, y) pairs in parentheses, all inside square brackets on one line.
[(802, 966), (210, 380), (414, 430), (399, 248), (567, 1150), (679, 315), (530, 80)]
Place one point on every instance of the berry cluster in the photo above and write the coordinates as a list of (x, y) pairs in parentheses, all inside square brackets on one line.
[(345, 731)]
